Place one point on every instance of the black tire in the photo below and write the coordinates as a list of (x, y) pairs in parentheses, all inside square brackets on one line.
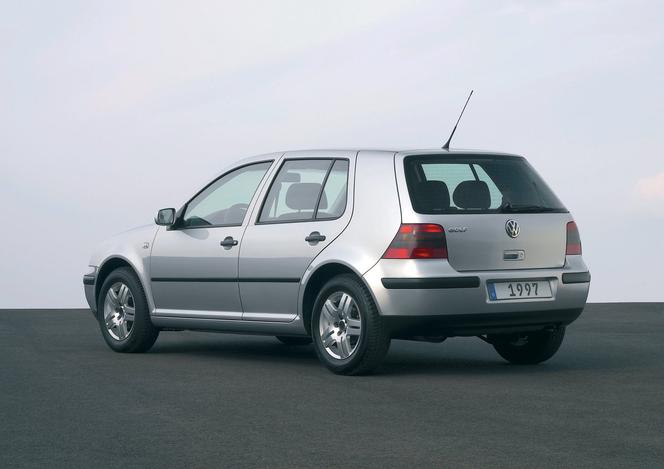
[(142, 334), (292, 340), (374, 337), (530, 348)]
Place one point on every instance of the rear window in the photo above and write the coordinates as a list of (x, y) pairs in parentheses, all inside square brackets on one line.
[(477, 184)]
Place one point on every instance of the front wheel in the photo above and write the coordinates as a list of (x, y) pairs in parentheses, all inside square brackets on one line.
[(123, 313), (530, 348), (349, 335)]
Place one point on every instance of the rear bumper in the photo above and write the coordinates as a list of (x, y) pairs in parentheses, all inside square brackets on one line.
[(479, 324), (432, 288)]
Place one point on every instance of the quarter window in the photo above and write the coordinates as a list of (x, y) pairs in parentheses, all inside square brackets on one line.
[(334, 192), (307, 189), (225, 201)]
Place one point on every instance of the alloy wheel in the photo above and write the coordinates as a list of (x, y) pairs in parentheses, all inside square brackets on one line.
[(119, 311), (340, 325)]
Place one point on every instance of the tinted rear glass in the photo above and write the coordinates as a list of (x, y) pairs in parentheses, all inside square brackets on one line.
[(477, 184)]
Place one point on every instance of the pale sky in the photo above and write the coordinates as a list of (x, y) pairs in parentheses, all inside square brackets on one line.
[(112, 110)]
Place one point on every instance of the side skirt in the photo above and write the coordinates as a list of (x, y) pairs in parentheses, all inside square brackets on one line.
[(294, 327)]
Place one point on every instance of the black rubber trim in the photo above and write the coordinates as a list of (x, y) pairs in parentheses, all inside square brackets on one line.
[(576, 277), (270, 280), (430, 283), (89, 280), (226, 279)]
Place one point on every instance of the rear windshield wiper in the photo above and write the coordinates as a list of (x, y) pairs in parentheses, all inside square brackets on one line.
[(508, 207)]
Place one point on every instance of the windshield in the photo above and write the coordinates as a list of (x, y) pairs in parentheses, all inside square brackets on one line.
[(477, 184)]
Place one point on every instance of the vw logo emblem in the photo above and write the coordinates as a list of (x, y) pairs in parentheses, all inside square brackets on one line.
[(512, 228)]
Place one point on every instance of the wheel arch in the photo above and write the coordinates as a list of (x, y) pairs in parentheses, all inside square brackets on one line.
[(108, 266), (315, 281)]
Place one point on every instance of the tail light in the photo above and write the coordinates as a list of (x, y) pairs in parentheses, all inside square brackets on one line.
[(418, 241), (573, 240)]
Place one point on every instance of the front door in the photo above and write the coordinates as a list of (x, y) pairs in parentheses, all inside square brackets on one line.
[(194, 264), (305, 208)]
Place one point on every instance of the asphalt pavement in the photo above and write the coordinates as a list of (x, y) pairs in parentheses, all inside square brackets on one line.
[(219, 400)]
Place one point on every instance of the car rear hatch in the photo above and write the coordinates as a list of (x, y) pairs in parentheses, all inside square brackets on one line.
[(496, 211)]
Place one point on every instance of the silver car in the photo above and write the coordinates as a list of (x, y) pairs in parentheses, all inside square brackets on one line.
[(349, 249)]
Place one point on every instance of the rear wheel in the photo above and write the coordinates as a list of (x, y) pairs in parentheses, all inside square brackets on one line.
[(530, 348), (349, 335), (290, 340), (123, 315)]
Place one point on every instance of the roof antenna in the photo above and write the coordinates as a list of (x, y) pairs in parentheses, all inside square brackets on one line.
[(447, 144)]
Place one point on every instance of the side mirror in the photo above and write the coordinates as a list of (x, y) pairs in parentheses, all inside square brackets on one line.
[(165, 217)]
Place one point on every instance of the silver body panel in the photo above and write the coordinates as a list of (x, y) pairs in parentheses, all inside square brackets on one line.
[(195, 254), (266, 274), (128, 246)]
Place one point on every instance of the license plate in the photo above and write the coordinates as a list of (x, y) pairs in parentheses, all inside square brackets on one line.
[(519, 290)]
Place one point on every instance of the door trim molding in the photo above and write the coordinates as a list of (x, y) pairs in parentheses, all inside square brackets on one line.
[(228, 279), (223, 315), (175, 313)]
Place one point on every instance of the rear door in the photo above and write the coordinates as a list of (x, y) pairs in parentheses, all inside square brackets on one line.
[(496, 211), (306, 206)]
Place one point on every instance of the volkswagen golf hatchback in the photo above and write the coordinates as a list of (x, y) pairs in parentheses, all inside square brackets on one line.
[(348, 250)]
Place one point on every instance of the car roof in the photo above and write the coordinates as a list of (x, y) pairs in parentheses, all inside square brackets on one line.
[(440, 151), (406, 152), (322, 152)]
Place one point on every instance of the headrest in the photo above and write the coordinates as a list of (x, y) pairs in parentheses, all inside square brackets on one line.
[(472, 195), (303, 196), (432, 196)]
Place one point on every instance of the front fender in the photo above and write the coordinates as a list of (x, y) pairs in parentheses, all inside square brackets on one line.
[(132, 247)]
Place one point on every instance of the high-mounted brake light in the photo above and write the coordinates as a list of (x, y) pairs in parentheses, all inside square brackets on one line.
[(573, 240), (418, 241)]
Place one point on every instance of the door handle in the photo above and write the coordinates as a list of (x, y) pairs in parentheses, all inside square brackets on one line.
[(228, 242), (314, 237)]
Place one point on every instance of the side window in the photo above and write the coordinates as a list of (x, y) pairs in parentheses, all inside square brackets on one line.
[(297, 192), (225, 201), (333, 202)]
